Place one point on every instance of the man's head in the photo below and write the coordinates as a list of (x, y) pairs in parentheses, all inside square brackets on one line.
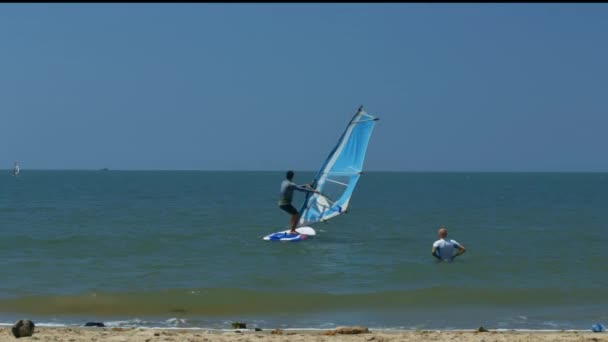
[(290, 175), (442, 232)]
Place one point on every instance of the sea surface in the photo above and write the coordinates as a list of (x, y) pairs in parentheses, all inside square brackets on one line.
[(185, 249)]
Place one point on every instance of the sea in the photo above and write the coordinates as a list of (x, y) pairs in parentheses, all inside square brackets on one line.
[(184, 249)]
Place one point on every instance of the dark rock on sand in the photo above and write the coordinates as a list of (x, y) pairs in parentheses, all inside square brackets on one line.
[(94, 324), (23, 328)]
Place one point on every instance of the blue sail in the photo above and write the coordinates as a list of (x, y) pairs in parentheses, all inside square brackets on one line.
[(337, 178)]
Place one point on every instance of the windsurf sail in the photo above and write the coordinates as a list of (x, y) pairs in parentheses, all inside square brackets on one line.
[(16, 169), (337, 178)]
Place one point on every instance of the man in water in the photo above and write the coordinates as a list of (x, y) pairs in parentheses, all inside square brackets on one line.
[(443, 249), (287, 188)]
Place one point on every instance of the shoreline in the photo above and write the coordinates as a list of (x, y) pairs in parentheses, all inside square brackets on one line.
[(296, 330), (140, 334)]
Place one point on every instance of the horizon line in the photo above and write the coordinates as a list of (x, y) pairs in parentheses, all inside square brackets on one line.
[(364, 172)]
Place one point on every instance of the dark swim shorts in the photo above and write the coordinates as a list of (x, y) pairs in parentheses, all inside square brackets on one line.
[(289, 208)]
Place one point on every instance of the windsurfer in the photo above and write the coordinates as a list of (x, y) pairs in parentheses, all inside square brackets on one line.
[(287, 188)]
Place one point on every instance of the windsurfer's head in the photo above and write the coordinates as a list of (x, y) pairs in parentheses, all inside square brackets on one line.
[(290, 175), (442, 232)]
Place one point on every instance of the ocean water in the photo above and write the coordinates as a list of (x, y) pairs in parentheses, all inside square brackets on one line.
[(185, 249)]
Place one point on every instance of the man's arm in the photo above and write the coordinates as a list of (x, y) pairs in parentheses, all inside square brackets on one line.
[(306, 188), (461, 250), (434, 253), (303, 188)]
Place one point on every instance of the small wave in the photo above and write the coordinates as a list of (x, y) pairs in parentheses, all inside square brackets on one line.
[(176, 321)]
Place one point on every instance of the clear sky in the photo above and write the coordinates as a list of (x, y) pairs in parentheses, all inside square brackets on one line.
[(458, 87)]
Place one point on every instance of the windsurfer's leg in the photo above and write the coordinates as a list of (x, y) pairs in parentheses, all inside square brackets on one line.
[(293, 222), (295, 216)]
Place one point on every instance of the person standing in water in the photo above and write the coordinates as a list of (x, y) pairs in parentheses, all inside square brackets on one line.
[(287, 188), (443, 249)]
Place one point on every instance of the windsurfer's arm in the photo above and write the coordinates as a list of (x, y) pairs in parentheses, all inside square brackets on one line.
[(312, 189), (306, 188)]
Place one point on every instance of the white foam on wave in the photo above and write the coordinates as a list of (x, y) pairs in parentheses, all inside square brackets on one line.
[(130, 323), (176, 321)]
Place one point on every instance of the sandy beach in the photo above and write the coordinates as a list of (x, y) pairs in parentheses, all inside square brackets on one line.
[(193, 335)]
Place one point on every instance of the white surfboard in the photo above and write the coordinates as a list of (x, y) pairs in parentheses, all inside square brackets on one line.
[(304, 233)]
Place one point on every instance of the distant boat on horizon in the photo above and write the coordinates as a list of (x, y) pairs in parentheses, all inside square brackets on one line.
[(16, 169)]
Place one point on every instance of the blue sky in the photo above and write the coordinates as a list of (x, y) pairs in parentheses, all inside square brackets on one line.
[(458, 87)]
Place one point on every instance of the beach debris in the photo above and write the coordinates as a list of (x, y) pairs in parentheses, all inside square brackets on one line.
[(351, 330), (94, 324), (239, 325), (258, 329), (277, 332), (482, 329), (597, 327), (329, 333), (23, 328)]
